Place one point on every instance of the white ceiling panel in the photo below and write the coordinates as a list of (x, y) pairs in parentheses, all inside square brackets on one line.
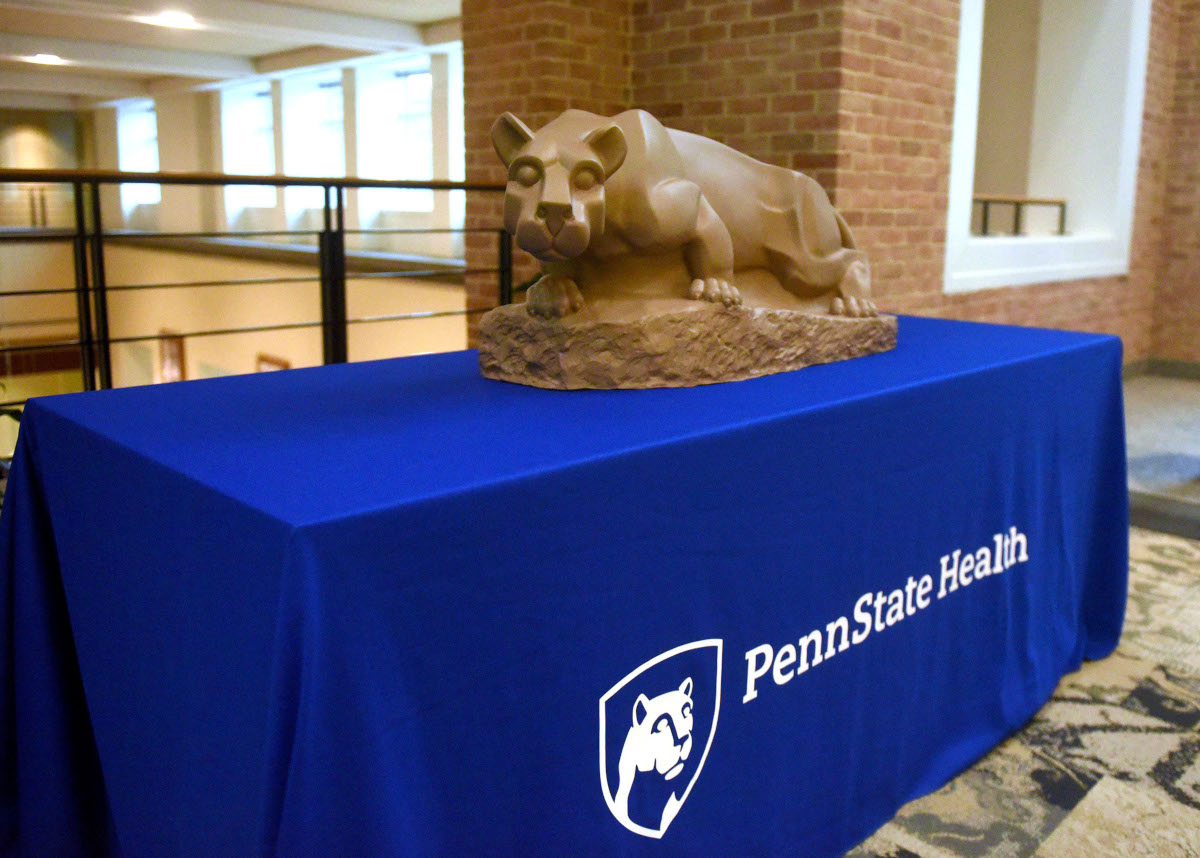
[(109, 48)]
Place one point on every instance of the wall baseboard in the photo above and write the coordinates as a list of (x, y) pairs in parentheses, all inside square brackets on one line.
[(1164, 367)]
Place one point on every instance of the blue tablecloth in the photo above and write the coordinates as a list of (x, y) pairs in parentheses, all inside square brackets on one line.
[(395, 608)]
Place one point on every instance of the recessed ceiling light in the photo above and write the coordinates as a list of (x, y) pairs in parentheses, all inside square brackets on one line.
[(171, 18), (47, 59)]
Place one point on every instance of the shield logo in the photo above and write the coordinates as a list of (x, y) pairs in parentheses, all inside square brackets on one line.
[(656, 727)]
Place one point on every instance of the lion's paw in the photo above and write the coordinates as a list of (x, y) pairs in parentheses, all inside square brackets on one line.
[(858, 308), (716, 291), (553, 298)]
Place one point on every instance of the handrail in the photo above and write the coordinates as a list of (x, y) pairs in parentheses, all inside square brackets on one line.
[(89, 237), (14, 175), (1018, 202)]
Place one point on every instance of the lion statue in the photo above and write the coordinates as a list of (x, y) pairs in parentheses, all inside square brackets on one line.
[(659, 740), (623, 208)]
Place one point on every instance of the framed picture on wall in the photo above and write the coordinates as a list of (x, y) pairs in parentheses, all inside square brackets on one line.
[(270, 363), (171, 365)]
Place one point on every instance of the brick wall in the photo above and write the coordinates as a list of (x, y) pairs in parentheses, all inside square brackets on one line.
[(533, 58), (895, 115), (759, 75), (1177, 318), (859, 95)]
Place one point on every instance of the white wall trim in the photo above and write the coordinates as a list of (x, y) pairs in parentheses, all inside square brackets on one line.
[(975, 262)]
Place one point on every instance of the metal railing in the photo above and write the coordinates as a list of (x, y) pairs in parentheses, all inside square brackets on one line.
[(89, 238), (1018, 203)]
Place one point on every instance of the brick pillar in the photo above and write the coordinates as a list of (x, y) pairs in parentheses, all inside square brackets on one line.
[(758, 75), (895, 123), (858, 94), (1177, 308), (536, 59)]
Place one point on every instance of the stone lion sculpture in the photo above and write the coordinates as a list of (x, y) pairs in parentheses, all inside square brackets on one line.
[(635, 226)]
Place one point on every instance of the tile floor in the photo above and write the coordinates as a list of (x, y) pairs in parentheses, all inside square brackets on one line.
[(1162, 427)]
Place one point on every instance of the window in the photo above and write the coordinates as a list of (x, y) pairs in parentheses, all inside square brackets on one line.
[(137, 152), (248, 145), (314, 142), (1048, 105), (395, 134)]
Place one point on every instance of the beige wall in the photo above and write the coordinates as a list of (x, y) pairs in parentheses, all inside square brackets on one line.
[(32, 139), (185, 128), (1008, 76), (37, 140), (149, 312)]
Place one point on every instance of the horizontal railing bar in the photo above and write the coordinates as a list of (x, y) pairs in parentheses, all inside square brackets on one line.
[(375, 275), (38, 323), (258, 281), (221, 332), (423, 230), (147, 338), (27, 293), (25, 234), (41, 346), (13, 175), (52, 233), (1017, 200), (429, 314), (49, 346), (131, 235), (131, 287), (140, 234)]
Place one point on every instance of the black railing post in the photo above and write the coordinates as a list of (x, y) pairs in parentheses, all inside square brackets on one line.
[(99, 289), (332, 253), (83, 308), (505, 266)]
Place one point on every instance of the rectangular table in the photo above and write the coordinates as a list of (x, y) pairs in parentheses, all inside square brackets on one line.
[(395, 608)]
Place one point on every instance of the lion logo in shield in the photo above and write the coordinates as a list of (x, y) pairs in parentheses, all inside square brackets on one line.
[(660, 733), (660, 740)]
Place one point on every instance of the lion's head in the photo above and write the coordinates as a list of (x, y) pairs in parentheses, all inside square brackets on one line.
[(554, 202), (661, 735)]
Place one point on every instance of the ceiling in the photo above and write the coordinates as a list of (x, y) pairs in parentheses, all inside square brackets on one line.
[(108, 51)]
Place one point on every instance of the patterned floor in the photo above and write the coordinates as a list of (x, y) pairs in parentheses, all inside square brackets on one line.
[(1110, 766)]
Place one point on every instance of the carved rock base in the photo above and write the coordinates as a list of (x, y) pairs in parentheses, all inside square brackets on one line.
[(702, 344)]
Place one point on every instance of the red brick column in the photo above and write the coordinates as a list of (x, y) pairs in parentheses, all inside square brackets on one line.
[(535, 59), (1177, 309), (895, 115), (761, 76)]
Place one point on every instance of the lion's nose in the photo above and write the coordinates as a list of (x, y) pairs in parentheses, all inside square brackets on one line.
[(554, 215)]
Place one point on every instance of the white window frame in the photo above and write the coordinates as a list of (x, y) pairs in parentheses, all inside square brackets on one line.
[(977, 262), (238, 198), (139, 201)]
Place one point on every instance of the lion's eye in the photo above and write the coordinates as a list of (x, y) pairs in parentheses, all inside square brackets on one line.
[(586, 179), (527, 175)]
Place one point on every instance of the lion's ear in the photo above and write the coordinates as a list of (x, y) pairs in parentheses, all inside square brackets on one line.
[(686, 688), (641, 708), (509, 134), (609, 144)]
